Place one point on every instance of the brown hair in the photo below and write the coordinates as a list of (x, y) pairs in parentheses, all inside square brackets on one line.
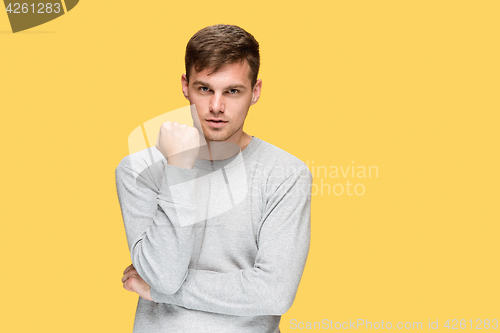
[(219, 45)]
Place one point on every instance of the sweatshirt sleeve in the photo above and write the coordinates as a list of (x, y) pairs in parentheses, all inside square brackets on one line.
[(270, 286), (159, 244)]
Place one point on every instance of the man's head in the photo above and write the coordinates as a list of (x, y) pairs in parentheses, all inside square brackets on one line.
[(222, 64)]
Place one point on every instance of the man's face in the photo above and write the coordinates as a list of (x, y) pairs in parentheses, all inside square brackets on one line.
[(222, 99)]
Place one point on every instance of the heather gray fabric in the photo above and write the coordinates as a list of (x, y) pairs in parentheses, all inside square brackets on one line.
[(237, 271)]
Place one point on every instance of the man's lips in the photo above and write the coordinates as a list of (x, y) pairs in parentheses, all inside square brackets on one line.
[(216, 122)]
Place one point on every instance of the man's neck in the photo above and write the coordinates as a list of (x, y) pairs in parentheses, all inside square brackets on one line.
[(245, 141), (219, 150)]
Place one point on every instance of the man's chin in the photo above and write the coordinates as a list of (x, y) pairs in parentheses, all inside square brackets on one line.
[(216, 138), (220, 136)]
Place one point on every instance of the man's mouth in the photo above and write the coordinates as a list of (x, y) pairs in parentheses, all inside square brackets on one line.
[(216, 122)]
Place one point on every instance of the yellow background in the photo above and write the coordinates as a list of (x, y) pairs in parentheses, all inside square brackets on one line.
[(411, 87)]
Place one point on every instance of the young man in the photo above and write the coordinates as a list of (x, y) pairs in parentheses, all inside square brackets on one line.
[(237, 270)]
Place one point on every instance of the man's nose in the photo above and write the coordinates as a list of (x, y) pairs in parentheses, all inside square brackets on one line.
[(217, 103)]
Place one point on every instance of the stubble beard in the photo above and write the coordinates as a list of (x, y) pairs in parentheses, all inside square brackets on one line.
[(211, 135)]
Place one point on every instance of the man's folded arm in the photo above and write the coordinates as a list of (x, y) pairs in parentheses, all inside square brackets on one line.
[(160, 247), (270, 286)]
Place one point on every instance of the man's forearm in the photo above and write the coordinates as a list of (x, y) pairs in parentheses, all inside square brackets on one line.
[(160, 247)]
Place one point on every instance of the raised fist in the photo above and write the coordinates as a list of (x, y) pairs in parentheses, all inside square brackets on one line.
[(179, 143)]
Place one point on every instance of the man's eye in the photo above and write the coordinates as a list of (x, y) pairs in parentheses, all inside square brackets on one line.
[(233, 91), (204, 89)]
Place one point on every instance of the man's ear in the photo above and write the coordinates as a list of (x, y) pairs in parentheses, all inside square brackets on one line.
[(256, 91), (185, 85)]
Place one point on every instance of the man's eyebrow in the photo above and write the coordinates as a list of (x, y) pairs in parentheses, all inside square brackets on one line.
[(232, 86)]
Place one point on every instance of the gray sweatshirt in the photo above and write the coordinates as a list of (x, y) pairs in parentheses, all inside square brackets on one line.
[(223, 245)]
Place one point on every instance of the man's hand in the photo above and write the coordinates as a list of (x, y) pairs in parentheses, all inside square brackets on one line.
[(133, 282), (179, 144)]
